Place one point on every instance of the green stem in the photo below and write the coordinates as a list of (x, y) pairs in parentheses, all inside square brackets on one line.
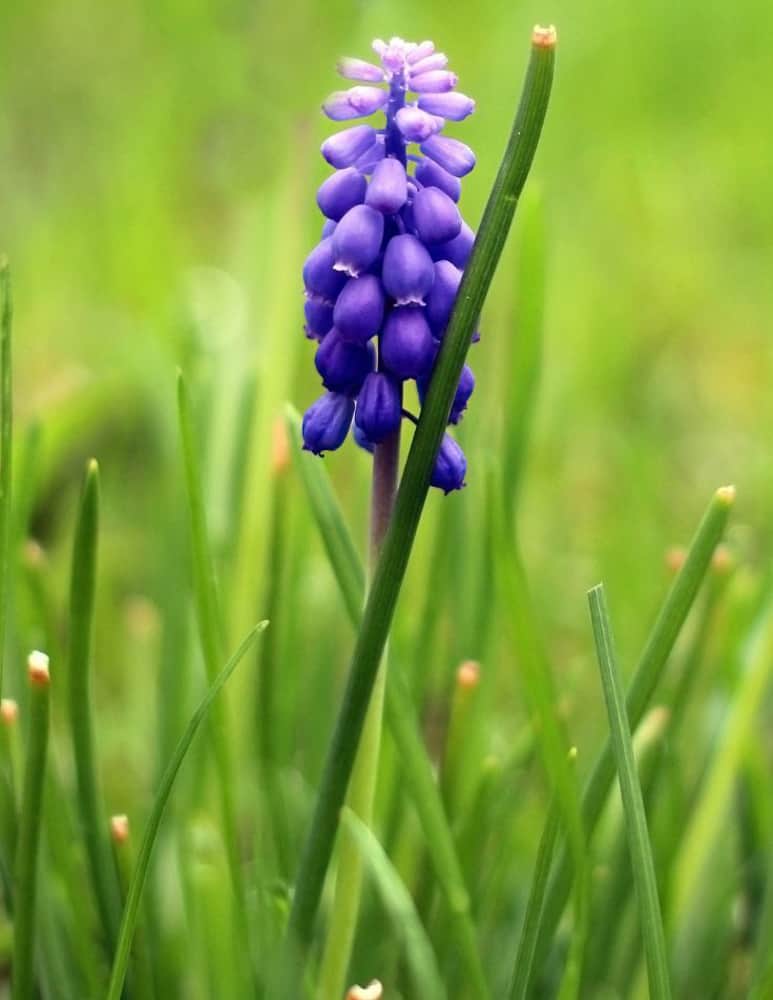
[(362, 791), (82, 589), (142, 974), (30, 823), (6, 449), (380, 607)]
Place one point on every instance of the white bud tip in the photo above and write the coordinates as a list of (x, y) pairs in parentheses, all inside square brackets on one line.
[(373, 991), (726, 494), (37, 666), (9, 711), (468, 675), (544, 38), (119, 828)]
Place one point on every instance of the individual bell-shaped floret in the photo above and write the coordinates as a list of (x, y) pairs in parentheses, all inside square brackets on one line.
[(342, 364), (357, 240), (450, 154), (450, 466), (320, 277), (326, 423), (359, 69), (408, 271), (343, 148), (451, 105), (457, 250), (437, 81), (359, 309), (462, 397), (407, 347), (416, 125), (341, 191), (357, 102), (442, 296), (319, 317), (379, 405), (430, 174), (388, 188), (435, 216)]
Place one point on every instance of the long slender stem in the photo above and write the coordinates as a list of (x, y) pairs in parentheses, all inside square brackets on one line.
[(386, 459), (385, 589), (6, 449), (26, 869)]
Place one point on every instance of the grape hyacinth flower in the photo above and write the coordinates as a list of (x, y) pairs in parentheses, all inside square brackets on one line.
[(382, 282)]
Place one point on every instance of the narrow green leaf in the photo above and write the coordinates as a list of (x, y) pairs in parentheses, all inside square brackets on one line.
[(6, 448), (633, 803), (412, 494), (139, 875), (30, 827), (420, 957), (92, 817), (660, 643)]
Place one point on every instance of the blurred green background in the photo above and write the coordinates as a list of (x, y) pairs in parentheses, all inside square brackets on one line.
[(158, 164)]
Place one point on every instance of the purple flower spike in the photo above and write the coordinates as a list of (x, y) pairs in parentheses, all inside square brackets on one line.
[(379, 407), (343, 365), (408, 271), (416, 125), (357, 240), (359, 309), (435, 82), (357, 102), (326, 423), (450, 466), (319, 275), (452, 105), (319, 318), (430, 174), (388, 188), (450, 154), (440, 301), (359, 69), (463, 392), (344, 148), (407, 347), (457, 250), (341, 191), (435, 216)]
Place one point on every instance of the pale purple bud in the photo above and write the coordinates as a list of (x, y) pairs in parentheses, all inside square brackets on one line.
[(388, 188), (437, 81), (343, 148), (367, 162), (343, 365), (421, 51), (357, 102), (341, 191), (359, 69), (319, 276), (379, 407), (435, 216), (430, 174), (416, 125), (450, 466), (451, 154), (319, 317), (326, 423), (408, 271), (440, 301), (357, 240), (436, 61), (359, 309), (453, 105), (457, 250), (407, 347)]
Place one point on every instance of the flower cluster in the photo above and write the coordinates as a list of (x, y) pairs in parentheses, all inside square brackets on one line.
[(381, 283)]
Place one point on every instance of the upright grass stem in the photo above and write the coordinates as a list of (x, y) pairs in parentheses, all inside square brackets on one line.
[(92, 818), (30, 826), (411, 496), (6, 449)]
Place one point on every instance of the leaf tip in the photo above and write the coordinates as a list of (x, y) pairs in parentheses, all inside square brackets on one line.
[(726, 495), (9, 711), (544, 38), (119, 828), (37, 668)]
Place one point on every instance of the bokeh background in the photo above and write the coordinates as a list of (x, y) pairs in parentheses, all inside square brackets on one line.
[(158, 164)]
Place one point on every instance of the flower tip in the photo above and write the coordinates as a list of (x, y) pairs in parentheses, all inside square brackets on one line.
[(726, 495), (544, 38), (37, 667), (373, 991)]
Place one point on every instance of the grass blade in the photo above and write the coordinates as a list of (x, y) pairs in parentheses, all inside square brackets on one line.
[(92, 818), (411, 497), (30, 826), (668, 624), (420, 958), (139, 875), (633, 804), (6, 448)]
